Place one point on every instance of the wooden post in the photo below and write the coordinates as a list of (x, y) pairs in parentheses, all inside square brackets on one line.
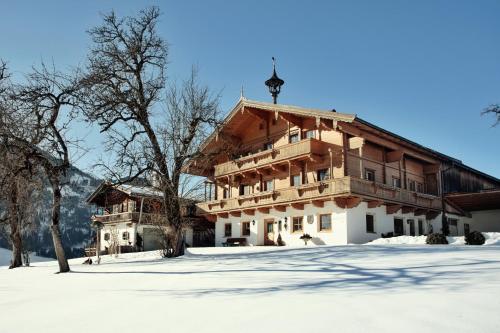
[(331, 162), (384, 171), (344, 148), (404, 172), (215, 187)]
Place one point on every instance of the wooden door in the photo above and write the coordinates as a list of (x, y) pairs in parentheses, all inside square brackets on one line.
[(269, 232)]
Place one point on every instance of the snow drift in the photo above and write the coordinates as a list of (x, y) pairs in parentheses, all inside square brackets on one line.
[(492, 238)]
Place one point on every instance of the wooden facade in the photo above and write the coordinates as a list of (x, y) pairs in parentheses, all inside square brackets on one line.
[(289, 156)]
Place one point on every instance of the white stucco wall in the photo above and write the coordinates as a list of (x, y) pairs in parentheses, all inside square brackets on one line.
[(119, 229), (348, 225), (383, 223), (336, 236), (484, 221)]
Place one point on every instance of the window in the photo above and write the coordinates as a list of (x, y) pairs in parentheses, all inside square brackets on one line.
[(267, 185), (452, 222), (370, 175), (224, 193), (296, 180), (325, 222), (297, 224), (125, 235), (323, 175), (396, 182), (420, 187), (107, 236), (245, 228), (245, 189), (268, 145), (370, 225), (227, 230), (294, 138), (412, 185), (420, 227), (466, 229), (310, 134)]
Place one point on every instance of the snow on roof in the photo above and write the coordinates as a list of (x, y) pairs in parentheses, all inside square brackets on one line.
[(135, 190)]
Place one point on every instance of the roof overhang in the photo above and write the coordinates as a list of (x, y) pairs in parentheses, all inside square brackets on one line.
[(485, 200)]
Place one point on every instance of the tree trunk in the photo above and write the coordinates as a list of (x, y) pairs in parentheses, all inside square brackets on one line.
[(178, 242), (56, 235), (15, 230)]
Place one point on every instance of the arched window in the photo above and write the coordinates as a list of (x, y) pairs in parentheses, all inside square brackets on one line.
[(125, 235)]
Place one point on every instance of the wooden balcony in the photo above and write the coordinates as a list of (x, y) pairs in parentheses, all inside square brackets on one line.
[(130, 217), (316, 193), (292, 151)]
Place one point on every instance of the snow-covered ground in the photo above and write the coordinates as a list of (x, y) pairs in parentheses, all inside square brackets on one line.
[(369, 288)]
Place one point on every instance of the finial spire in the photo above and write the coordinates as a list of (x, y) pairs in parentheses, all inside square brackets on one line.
[(242, 93), (274, 83)]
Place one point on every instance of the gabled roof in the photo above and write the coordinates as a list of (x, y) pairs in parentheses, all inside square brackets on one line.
[(130, 190), (280, 108)]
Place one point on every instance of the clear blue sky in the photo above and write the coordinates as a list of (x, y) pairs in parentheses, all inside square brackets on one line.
[(422, 69)]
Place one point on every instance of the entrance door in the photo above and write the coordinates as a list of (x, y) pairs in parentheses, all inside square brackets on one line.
[(399, 228), (269, 232), (412, 227)]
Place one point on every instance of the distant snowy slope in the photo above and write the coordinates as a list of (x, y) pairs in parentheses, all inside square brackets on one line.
[(75, 217)]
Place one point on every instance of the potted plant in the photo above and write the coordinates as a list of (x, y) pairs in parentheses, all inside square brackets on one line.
[(306, 238)]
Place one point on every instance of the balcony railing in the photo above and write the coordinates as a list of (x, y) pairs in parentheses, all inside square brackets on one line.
[(146, 218), (290, 151), (346, 186)]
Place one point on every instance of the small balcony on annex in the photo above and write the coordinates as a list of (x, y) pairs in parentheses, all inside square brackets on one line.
[(270, 156)]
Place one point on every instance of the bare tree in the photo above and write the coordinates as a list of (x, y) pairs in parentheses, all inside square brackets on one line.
[(35, 126), (495, 110), (125, 84), (20, 189)]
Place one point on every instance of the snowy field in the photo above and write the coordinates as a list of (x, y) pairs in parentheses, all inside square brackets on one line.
[(358, 288)]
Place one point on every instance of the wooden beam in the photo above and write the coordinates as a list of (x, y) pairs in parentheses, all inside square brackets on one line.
[(280, 208), (261, 115), (297, 121), (298, 206), (374, 203), (347, 202), (407, 209), (236, 213), (419, 212), (392, 209), (263, 210), (223, 215), (318, 203), (249, 211), (432, 215), (211, 217), (394, 156)]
